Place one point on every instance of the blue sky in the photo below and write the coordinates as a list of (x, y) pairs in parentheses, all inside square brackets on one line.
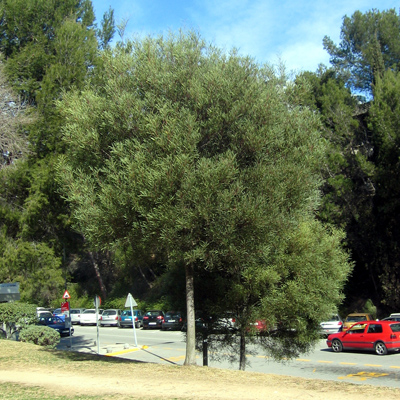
[(267, 30)]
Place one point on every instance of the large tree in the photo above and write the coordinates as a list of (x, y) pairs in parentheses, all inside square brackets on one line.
[(199, 158), (385, 126), (370, 44), (49, 47)]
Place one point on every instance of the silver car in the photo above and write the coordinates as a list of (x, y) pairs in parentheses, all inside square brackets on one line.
[(75, 314), (110, 317), (334, 325)]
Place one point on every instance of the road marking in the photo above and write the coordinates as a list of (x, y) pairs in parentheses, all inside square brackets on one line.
[(117, 353), (178, 358), (363, 376), (373, 365), (395, 366), (325, 362), (302, 359), (347, 363)]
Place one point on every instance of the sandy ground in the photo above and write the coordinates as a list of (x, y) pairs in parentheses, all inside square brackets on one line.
[(163, 382)]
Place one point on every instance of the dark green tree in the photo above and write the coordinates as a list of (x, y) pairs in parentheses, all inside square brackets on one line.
[(370, 44), (181, 151), (385, 125), (49, 47)]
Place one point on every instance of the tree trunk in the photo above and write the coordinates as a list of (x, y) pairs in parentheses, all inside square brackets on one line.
[(191, 329), (98, 275), (242, 361)]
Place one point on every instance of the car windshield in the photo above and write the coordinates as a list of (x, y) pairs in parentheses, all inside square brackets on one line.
[(126, 313), (109, 312), (89, 312), (153, 313), (356, 318), (74, 312), (334, 318), (173, 315)]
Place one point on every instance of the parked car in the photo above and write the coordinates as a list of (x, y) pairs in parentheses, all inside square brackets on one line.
[(153, 319), (126, 318), (110, 317), (260, 326), (392, 317), (43, 312), (333, 325), (57, 313), (57, 324), (173, 320), (351, 319), (88, 317), (223, 324), (75, 314), (379, 336)]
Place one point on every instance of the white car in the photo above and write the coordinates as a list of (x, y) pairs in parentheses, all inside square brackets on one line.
[(334, 325), (88, 317), (75, 314)]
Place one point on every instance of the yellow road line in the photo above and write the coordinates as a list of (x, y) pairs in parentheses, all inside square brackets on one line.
[(373, 365), (395, 366), (347, 363), (302, 359), (117, 353), (325, 362)]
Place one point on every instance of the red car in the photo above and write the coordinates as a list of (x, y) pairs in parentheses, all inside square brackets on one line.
[(379, 336)]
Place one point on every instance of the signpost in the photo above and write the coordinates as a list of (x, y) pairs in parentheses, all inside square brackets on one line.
[(65, 311), (131, 302)]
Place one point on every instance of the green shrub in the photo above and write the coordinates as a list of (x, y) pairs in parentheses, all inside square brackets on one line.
[(16, 316), (41, 335)]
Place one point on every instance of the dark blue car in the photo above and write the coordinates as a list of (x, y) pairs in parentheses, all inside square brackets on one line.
[(57, 324)]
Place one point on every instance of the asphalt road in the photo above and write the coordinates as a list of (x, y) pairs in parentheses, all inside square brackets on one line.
[(169, 348)]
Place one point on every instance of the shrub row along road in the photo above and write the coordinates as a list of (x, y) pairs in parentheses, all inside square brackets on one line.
[(169, 348)]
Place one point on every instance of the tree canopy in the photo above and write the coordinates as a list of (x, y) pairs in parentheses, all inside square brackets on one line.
[(370, 44), (180, 150)]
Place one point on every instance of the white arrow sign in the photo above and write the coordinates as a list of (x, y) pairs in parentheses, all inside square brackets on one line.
[(130, 301)]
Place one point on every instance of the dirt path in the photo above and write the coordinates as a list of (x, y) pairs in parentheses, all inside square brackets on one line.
[(188, 383)]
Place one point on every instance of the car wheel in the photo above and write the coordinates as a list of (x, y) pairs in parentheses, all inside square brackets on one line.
[(337, 346), (380, 349)]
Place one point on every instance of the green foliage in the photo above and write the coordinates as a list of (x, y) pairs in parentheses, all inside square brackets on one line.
[(107, 31), (34, 265), (370, 45), (49, 47), (40, 335), (202, 160), (16, 316), (385, 124)]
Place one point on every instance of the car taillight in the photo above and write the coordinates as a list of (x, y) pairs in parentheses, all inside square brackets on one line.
[(136, 319), (145, 317), (116, 318), (100, 318), (340, 323), (120, 318), (160, 317), (233, 319), (180, 319)]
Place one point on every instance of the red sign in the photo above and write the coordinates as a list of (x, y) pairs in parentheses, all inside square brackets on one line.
[(64, 306), (66, 295)]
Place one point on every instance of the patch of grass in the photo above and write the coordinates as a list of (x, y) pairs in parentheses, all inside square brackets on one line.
[(13, 391)]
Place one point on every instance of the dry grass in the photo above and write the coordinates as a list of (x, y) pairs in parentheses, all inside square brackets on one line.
[(28, 371)]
